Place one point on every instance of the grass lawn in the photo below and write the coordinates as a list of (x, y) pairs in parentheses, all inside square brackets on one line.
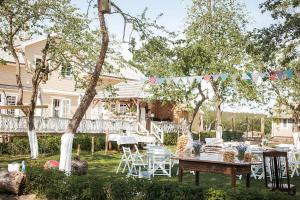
[(105, 167)]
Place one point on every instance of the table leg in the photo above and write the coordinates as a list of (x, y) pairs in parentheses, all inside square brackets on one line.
[(233, 177), (180, 174), (248, 180), (197, 177)]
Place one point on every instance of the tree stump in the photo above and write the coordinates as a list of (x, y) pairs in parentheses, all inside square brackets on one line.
[(79, 167), (12, 182)]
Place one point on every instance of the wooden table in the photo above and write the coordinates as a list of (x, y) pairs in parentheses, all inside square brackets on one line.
[(204, 163)]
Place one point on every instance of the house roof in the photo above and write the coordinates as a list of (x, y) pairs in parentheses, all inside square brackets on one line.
[(6, 56), (126, 90), (124, 72)]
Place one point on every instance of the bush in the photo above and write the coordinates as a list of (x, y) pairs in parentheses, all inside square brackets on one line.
[(55, 185), (175, 191), (50, 144), (170, 138), (232, 136), (204, 135)]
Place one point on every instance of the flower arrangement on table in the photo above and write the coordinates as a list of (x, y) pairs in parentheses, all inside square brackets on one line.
[(241, 148), (197, 147)]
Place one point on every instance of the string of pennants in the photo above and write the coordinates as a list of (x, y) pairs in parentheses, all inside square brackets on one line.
[(250, 76)]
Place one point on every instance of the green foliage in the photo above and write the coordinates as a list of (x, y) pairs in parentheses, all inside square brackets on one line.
[(204, 135), (232, 136), (170, 138), (174, 191), (50, 144), (215, 194), (55, 185)]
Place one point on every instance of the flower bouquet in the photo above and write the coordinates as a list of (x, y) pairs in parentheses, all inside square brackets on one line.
[(241, 148)]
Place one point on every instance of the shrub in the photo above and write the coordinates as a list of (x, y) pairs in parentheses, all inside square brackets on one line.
[(50, 144), (55, 185), (204, 135), (175, 191), (170, 138), (232, 136)]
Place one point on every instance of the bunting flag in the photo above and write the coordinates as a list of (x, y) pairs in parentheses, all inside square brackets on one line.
[(152, 80), (223, 77), (248, 77), (255, 77), (207, 77), (289, 73), (198, 79), (273, 75), (281, 75), (216, 77)]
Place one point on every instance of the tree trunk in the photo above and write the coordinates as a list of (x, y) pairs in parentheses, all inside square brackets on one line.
[(32, 137), (12, 181), (67, 138), (18, 73), (295, 124), (198, 105), (218, 113)]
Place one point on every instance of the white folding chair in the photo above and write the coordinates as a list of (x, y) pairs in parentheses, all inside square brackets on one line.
[(127, 159), (161, 162), (137, 156), (257, 168), (294, 162)]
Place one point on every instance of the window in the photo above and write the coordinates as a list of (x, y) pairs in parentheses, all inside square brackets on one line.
[(284, 123), (113, 107), (38, 61), (123, 108), (65, 108), (66, 70), (55, 108), (11, 100), (61, 108)]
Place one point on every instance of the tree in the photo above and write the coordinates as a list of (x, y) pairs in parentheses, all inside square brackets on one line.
[(30, 18), (141, 25), (161, 57), (219, 27), (277, 47), (215, 42)]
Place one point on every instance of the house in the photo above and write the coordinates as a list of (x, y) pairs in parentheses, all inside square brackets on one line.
[(282, 122), (58, 92), (131, 99)]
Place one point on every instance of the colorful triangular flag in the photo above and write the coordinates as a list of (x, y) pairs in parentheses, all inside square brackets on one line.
[(245, 76), (152, 80), (215, 77), (281, 75), (289, 73), (223, 77), (198, 79), (207, 77)]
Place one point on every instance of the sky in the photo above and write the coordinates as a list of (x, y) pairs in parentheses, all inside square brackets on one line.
[(174, 13), (174, 16)]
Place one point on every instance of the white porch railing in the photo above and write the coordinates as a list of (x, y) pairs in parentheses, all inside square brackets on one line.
[(157, 132), (141, 130), (169, 127), (12, 124)]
